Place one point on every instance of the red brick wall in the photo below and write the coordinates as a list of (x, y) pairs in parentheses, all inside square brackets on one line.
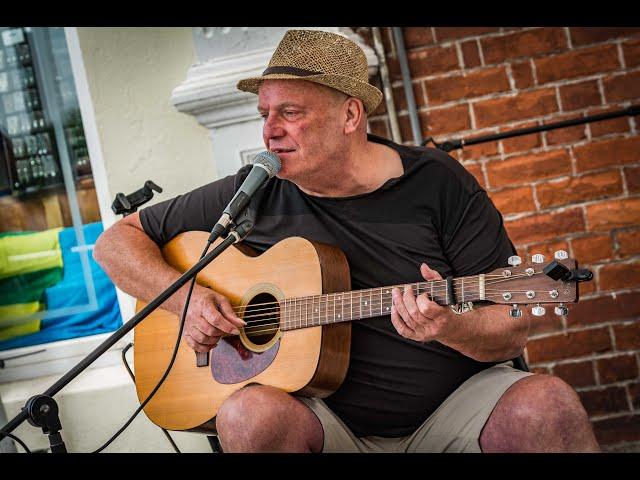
[(574, 188)]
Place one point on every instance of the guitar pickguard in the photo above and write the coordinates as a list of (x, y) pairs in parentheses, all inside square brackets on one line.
[(232, 362)]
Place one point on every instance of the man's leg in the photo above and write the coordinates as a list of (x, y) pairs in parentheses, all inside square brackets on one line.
[(539, 413), (260, 418)]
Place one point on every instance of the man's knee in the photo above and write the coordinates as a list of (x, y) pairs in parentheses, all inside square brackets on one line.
[(250, 408), (537, 413), (547, 399), (261, 417)]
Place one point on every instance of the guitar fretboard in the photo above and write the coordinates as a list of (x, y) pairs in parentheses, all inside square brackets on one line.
[(316, 310)]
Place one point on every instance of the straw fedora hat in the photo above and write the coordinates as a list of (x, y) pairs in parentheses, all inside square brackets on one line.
[(320, 57)]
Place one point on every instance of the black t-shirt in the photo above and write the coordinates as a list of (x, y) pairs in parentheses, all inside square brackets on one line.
[(436, 212)]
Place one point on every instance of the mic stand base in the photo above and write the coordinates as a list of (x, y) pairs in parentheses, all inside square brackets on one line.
[(43, 412)]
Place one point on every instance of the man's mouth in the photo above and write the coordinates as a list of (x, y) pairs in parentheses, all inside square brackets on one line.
[(278, 151)]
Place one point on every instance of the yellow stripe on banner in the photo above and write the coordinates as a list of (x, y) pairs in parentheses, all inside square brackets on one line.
[(31, 252), (8, 312)]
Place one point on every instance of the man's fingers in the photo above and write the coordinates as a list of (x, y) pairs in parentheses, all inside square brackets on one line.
[(202, 338), (410, 304), (402, 328), (205, 327), (401, 308), (424, 305), (428, 308), (428, 273), (219, 321), (196, 346), (225, 307)]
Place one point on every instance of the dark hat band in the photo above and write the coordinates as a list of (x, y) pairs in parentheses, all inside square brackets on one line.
[(299, 72)]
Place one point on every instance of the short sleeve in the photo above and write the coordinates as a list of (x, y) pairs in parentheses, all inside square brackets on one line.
[(197, 210), (479, 243)]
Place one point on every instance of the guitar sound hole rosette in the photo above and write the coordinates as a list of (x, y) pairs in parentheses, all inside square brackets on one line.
[(262, 313)]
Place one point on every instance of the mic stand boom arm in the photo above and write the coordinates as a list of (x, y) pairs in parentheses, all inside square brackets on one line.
[(455, 144), (41, 410)]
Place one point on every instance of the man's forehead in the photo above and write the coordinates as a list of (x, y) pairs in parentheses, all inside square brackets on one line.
[(281, 94)]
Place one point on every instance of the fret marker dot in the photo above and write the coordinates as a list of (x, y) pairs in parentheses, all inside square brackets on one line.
[(365, 303), (387, 308)]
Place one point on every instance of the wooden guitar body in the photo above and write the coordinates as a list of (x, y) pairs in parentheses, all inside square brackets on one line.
[(308, 361)]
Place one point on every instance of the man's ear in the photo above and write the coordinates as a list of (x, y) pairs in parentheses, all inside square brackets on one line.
[(354, 114)]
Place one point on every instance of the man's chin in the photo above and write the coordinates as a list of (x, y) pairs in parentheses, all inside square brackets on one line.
[(283, 174)]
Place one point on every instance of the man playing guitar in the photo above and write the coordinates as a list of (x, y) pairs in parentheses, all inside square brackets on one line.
[(421, 378)]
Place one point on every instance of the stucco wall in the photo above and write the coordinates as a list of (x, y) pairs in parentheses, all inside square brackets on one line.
[(131, 73)]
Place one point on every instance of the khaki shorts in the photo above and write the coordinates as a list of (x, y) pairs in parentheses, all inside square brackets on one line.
[(454, 427)]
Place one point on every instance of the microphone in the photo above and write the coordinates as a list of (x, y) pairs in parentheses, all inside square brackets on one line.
[(266, 165)]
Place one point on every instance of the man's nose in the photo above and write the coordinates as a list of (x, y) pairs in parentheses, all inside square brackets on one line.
[(272, 128)]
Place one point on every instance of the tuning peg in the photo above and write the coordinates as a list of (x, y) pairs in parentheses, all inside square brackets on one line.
[(537, 258), (560, 255), (515, 312), (538, 311), (561, 310), (514, 260)]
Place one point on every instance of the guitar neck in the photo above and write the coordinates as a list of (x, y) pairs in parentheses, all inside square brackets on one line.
[(326, 309)]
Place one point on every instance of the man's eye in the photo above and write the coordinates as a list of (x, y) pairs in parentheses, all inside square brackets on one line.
[(290, 113)]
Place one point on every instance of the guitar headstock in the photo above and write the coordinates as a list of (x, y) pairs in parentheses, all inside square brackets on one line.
[(538, 281)]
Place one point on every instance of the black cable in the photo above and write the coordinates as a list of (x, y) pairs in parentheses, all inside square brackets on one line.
[(22, 444), (126, 365), (173, 358)]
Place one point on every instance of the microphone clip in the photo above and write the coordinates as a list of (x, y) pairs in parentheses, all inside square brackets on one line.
[(128, 204)]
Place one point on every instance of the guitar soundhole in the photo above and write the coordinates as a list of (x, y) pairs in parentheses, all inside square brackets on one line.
[(262, 315)]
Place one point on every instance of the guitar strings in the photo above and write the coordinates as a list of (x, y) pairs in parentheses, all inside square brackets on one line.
[(293, 314), (435, 282), (436, 290), (270, 311), (259, 329), (305, 300)]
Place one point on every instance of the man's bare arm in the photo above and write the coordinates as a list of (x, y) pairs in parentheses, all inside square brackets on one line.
[(135, 264)]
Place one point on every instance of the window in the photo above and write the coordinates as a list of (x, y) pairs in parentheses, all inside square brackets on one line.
[(51, 289)]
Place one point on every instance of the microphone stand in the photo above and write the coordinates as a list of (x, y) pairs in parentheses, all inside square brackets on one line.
[(42, 410)]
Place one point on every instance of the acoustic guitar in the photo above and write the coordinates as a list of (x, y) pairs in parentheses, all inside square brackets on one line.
[(297, 301)]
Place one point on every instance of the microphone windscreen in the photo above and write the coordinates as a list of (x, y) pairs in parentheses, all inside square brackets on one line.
[(270, 161)]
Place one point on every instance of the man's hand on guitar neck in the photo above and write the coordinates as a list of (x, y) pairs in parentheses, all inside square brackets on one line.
[(486, 335), (209, 318), (419, 318)]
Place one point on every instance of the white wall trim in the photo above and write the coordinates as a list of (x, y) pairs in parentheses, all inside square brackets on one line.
[(96, 157), (90, 126)]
